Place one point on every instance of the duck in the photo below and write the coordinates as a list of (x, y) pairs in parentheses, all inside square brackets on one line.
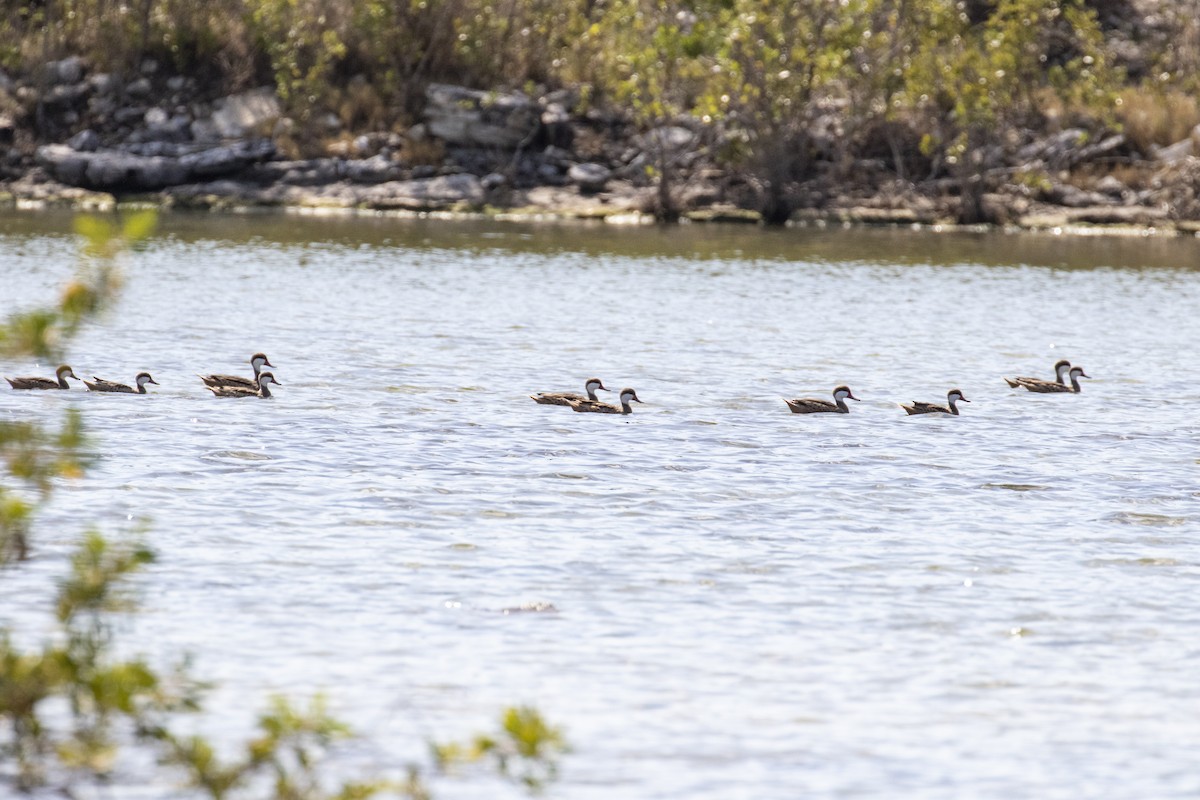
[(811, 405), (1060, 369), (101, 385), (596, 407), (265, 379), (953, 397), (565, 398), (1053, 388), (257, 361), (61, 375)]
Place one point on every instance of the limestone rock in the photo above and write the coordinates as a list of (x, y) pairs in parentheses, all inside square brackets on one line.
[(86, 141), (589, 177), (239, 115), (471, 118), (428, 194), (117, 171)]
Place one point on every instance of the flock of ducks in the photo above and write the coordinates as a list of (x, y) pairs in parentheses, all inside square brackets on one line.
[(813, 405), (219, 385), (259, 386)]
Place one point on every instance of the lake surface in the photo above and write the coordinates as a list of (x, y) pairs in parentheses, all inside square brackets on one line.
[(749, 603)]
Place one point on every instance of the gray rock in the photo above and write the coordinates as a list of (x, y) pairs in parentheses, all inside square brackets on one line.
[(155, 116), (554, 114), (589, 177), (1174, 153), (124, 116), (139, 88), (176, 83), (177, 129), (113, 170), (104, 83), (109, 169), (471, 118), (149, 66), (1111, 186), (239, 115), (69, 70), (86, 141), (429, 194), (376, 169), (493, 180), (6, 83), (66, 96), (671, 138), (1074, 197), (224, 160)]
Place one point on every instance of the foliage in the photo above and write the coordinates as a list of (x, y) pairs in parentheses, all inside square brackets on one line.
[(975, 80), (526, 749)]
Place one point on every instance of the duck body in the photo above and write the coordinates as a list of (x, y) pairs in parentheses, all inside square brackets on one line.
[(1046, 387), (257, 361), (566, 398), (101, 385), (1038, 385), (265, 379), (596, 407), (58, 382), (812, 405), (953, 397)]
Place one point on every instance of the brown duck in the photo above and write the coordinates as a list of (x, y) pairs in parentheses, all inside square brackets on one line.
[(811, 405), (101, 385), (265, 379), (596, 407), (954, 396), (1053, 388), (1037, 384), (565, 398), (62, 373), (257, 361)]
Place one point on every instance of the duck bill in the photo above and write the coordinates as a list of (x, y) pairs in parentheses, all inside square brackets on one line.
[(852, 397)]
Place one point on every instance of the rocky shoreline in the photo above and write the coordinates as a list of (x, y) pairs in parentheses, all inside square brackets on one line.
[(154, 139)]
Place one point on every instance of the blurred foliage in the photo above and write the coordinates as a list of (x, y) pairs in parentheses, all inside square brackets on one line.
[(68, 706), (526, 749)]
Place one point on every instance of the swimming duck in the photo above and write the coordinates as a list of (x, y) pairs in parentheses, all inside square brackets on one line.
[(1050, 388), (62, 373), (953, 396), (264, 380), (565, 398), (811, 405), (597, 407), (102, 385), (257, 361), (1060, 368)]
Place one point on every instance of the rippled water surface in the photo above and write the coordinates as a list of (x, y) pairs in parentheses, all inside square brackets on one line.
[(749, 603)]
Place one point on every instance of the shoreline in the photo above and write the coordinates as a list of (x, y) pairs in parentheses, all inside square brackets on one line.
[(53, 196)]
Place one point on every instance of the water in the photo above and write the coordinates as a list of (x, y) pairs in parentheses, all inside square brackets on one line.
[(749, 603)]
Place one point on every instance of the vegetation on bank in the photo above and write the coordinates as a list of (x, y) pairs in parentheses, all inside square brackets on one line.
[(70, 706), (790, 95)]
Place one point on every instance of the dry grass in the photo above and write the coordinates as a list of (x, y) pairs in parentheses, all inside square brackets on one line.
[(1157, 118)]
